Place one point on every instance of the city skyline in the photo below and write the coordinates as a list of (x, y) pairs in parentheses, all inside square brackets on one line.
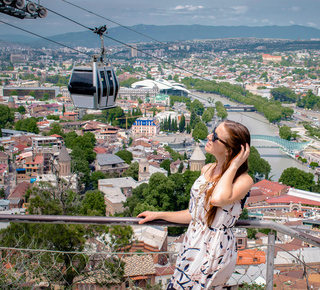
[(129, 13)]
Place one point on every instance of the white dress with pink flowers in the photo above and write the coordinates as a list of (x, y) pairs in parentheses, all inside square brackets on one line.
[(207, 255)]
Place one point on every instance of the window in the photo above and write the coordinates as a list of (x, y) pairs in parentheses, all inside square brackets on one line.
[(255, 260), (240, 241)]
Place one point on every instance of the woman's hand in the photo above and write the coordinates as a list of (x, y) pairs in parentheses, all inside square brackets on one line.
[(241, 157), (148, 216)]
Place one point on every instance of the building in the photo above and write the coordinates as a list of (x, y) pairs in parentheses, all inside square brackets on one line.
[(46, 141), (159, 99), (165, 87), (39, 91), (145, 127), (144, 173), (141, 93), (11, 103), (16, 197), (110, 163), (64, 162), (4, 158), (116, 190), (197, 159), (271, 58)]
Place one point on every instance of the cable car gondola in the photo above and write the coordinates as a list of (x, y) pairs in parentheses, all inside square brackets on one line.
[(94, 86)]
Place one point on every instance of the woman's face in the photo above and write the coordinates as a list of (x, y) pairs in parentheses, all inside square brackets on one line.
[(217, 144)]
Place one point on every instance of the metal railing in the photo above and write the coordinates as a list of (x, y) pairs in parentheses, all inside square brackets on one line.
[(29, 268)]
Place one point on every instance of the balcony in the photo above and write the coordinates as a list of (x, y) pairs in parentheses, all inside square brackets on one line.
[(97, 268)]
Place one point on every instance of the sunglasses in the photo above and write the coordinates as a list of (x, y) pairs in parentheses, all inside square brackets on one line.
[(215, 137)]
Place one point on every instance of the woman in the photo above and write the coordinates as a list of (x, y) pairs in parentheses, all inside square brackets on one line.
[(208, 253)]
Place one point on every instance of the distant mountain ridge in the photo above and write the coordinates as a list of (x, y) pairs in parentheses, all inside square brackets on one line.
[(171, 33)]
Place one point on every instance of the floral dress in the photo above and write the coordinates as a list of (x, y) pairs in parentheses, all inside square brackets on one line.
[(207, 255)]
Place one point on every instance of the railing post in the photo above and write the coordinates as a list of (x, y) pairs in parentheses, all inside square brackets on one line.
[(270, 261)]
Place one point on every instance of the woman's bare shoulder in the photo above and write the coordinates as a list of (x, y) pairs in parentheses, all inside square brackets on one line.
[(206, 167)]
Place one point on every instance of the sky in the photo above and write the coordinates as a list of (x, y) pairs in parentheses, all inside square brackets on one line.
[(167, 12)]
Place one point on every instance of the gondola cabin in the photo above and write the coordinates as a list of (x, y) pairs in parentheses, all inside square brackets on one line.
[(94, 86)]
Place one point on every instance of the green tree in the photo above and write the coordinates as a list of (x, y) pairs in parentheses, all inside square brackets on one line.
[(2, 193), (197, 107), (251, 233), (207, 115), (176, 78), (210, 158), (21, 110), (6, 115), (143, 206), (95, 176), (93, 204), (32, 94), (182, 123), (200, 131), (285, 132), (181, 167), (258, 165), (46, 96), (297, 178), (314, 164), (244, 214), (125, 155), (166, 165), (132, 171), (284, 94), (28, 125), (65, 240), (56, 129), (13, 93)]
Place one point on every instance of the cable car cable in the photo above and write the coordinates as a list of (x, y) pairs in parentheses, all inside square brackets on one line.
[(48, 39), (76, 22), (155, 57), (119, 24), (183, 69)]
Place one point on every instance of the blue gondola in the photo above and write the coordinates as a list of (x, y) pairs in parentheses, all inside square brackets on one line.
[(95, 85)]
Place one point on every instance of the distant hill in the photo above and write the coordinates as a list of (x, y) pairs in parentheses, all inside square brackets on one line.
[(172, 33)]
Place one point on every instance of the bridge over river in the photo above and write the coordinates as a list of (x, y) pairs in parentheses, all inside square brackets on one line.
[(289, 146)]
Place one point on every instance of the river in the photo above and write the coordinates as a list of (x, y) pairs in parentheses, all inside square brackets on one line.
[(258, 124)]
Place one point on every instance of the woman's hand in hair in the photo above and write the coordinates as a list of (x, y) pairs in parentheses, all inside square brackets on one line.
[(241, 157)]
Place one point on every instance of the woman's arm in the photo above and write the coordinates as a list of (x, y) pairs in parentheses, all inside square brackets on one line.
[(226, 192), (181, 217)]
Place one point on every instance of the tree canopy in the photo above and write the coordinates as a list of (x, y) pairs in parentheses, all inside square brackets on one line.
[(125, 155), (297, 178)]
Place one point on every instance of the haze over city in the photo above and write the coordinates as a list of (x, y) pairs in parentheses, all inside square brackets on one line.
[(212, 13)]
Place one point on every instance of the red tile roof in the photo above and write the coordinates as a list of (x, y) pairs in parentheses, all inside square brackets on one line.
[(100, 150), (20, 190), (286, 199), (270, 187)]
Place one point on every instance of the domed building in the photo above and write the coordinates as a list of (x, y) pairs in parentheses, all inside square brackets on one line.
[(11, 103), (64, 161), (197, 159)]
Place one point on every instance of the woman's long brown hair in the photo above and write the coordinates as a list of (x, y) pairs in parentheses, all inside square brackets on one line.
[(237, 135)]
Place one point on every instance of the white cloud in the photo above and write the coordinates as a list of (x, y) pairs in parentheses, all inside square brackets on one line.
[(187, 8), (312, 24), (291, 22), (265, 20), (294, 8), (240, 9)]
